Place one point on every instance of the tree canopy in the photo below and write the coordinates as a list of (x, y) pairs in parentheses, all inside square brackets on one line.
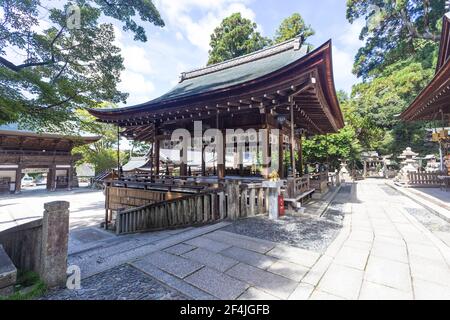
[(292, 27), (103, 153), (234, 37), (396, 62), (394, 30), (47, 72)]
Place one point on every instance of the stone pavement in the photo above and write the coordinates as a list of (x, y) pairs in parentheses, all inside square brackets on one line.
[(87, 207), (382, 252)]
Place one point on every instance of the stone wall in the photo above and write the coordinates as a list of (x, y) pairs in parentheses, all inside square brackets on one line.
[(23, 245), (41, 245)]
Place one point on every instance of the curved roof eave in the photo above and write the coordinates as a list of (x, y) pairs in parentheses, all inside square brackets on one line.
[(156, 104)]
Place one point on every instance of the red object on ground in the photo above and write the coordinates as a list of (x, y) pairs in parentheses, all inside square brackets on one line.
[(280, 205)]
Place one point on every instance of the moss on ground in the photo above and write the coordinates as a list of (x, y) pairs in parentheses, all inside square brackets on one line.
[(28, 286)]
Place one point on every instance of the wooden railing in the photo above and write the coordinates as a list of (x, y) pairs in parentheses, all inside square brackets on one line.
[(319, 181), (190, 210), (297, 186), (424, 179), (252, 200), (232, 201)]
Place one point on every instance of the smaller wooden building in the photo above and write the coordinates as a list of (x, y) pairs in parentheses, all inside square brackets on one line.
[(21, 150)]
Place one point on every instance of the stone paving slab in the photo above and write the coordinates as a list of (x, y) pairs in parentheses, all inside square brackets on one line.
[(389, 273), (375, 291), (169, 263), (256, 294), (182, 286), (217, 284), (321, 295), (137, 246), (288, 270), (206, 243), (249, 257), (120, 283), (342, 281), (180, 249), (240, 241), (302, 292), (352, 257), (317, 271), (389, 251), (211, 259), (295, 255), (425, 290), (271, 283), (430, 270)]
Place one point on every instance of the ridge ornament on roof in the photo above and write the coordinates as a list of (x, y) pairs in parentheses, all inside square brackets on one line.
[(294, 44)]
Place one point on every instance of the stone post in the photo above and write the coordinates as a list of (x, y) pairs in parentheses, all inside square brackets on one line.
[(274, 190), (55, 236)]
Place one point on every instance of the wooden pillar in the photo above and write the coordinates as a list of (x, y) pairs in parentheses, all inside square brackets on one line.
[(18, 183), (53, 178), (203, 161), (221, 159), (221, 152), (292, 145), (241, 159), (365, 169), (70, 177), (152, 160), (266, 151), (183, 165), (300, 155), (156, 164)]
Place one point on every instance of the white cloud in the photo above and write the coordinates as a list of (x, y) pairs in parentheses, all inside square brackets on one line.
[(179, 14), (350, 36), (344, 50), (137, 60), (342, 69), (179, 36), (135, 57), (137, 85)]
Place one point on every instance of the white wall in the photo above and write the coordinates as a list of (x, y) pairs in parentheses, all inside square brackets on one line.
[(8, 174)]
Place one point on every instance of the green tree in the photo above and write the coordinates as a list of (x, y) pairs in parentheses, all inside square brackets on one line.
[(234, 37), (396, 62), (292, 27), (66, 65), (345, 144), (103, 153), (394, 30)]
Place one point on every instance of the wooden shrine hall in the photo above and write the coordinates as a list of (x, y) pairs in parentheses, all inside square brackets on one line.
[(282, 87), (433, 103), (21, 150)]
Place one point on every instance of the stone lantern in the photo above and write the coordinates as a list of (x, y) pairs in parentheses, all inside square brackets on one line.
[(409, 164), (343, 172)]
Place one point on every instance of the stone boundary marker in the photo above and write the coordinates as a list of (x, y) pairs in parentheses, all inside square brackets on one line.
[(55, 239), (41, 245)]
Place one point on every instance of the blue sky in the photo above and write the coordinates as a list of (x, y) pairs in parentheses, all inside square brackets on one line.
[(152, 68)]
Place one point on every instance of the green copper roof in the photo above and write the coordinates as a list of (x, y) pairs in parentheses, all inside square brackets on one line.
[(233, 75), (237, 72)]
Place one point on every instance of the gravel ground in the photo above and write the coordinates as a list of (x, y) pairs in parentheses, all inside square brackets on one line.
[(431, 221), (120, 283), (306, 232)]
